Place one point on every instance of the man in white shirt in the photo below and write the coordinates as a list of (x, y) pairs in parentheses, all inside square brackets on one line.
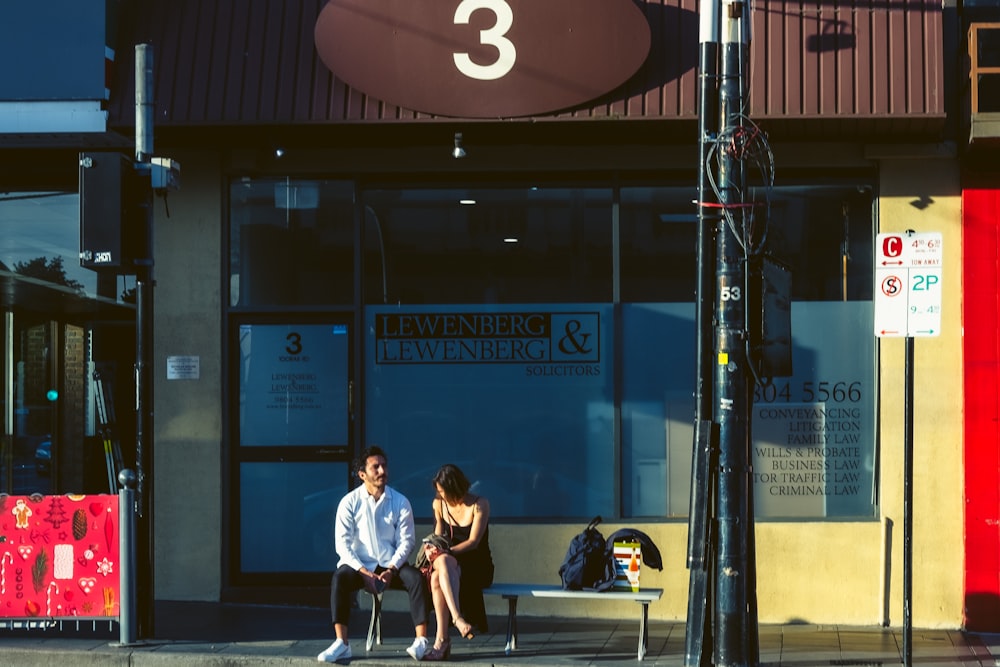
[(374, 536)]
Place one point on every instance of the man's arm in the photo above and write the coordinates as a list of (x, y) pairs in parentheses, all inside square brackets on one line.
[(344, 532), (406, 533)]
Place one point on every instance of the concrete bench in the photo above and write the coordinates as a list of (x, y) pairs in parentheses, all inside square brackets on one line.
[(511, 592)]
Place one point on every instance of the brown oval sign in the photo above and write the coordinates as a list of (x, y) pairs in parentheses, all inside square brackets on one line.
[(483, 58)]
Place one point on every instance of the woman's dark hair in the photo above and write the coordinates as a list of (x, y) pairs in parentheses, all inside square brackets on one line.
[(365, 454), (452, 481)]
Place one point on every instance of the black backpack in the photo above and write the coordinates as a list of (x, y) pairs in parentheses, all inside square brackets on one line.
[(585, 561)]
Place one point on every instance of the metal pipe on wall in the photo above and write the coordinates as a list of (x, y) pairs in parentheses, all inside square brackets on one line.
[(144, 342)]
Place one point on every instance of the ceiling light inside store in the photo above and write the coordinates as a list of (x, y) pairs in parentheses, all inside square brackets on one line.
[(458, 151), (467, 202)]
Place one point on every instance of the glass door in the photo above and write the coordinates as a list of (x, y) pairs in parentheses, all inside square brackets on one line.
[(293, 435)]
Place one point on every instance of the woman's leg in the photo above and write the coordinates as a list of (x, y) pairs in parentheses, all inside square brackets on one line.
[(440, 608), (448, 574)]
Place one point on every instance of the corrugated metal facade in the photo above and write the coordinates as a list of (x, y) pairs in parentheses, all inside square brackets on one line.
[(821, 68)]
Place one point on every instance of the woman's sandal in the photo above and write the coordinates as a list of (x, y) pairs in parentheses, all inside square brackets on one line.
[(465, 628), (440, 651)]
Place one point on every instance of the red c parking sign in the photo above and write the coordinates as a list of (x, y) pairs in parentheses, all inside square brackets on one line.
[(908, 285)]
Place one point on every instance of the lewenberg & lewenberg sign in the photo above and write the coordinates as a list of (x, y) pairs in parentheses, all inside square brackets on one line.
[(483, 58), (489, 338)]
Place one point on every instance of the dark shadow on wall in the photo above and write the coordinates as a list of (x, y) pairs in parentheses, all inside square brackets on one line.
[(673, 51), (836, 36), (982, 612)]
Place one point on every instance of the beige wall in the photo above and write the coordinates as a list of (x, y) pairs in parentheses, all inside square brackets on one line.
[(188, 413), (921, 191), (816, 572)]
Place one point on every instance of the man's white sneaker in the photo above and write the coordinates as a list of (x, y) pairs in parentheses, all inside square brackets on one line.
[(337, 651), (418, 648)]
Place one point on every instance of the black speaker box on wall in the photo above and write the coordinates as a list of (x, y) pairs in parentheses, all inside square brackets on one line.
[(112, 220)]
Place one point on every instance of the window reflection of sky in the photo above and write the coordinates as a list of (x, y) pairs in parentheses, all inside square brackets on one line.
[(43, 224)]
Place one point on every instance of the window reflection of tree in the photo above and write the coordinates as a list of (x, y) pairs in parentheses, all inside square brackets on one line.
[(48, 269)]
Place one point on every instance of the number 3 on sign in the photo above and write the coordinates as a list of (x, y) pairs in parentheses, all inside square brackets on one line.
[(491, 37)]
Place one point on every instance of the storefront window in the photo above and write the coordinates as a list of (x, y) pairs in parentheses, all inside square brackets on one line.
[(44, 371), (26, 457), (61, 324), (519, 397), (494, 351), (486, 245), (40, 239), (491, 339), (814, 431), (291, 242), (658, 244)]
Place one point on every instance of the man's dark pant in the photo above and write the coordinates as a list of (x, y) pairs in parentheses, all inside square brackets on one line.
[(346, 580)]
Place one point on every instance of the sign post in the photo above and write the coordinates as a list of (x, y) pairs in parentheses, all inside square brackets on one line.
[(908, 304)]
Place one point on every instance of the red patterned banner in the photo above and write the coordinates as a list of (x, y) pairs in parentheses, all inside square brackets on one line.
[(59, 556)]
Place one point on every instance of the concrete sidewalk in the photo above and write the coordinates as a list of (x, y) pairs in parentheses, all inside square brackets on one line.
[(193, 633)]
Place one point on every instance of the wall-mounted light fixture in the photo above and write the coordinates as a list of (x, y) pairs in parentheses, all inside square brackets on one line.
[(458, 151)]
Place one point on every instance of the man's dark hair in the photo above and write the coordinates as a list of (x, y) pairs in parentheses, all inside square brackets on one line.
[(365, 454)]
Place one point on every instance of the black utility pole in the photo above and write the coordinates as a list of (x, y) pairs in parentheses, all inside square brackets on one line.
[(721, 552), (144, 342), (699, 560), (732, 395)]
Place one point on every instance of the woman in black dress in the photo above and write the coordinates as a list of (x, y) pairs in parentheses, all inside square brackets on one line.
[(459, 576)]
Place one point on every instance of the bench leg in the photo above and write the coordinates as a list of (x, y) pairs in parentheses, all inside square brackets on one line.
[(644, 630), (375, 626), (511, 624)]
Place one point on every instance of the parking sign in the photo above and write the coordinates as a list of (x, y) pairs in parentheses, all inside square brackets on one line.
[(908, 285)]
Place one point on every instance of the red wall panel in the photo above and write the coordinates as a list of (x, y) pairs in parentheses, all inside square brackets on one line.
[(981, 298)]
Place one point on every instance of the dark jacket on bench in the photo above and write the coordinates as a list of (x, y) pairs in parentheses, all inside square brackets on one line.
[(650, 554)]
